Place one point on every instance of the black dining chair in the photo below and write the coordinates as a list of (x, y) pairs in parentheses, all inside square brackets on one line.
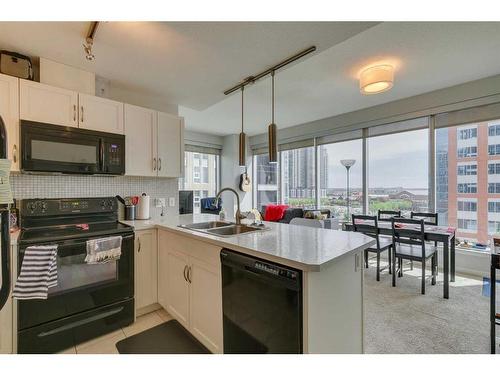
[(387, 215), (408, 238), (430, 218), (369, 225)]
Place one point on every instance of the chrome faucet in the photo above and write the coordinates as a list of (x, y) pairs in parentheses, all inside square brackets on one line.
[(238, 216)]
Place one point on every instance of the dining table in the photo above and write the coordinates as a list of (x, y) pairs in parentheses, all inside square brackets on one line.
[(435, 233)]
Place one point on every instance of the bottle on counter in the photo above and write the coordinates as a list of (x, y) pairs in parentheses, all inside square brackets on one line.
[(222, 214)]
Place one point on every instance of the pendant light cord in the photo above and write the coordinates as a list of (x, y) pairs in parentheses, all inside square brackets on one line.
[(242, 88), (272, 76)]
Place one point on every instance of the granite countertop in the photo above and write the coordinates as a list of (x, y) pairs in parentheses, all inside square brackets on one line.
[(305, 248)]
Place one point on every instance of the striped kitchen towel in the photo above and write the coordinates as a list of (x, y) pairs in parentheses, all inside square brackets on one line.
[(38, 273)]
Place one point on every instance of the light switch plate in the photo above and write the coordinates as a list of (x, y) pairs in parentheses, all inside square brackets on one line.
[(171, 202)]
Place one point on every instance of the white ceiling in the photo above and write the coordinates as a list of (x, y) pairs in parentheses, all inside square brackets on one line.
[(186, 63), (428, 56), (191, 64)]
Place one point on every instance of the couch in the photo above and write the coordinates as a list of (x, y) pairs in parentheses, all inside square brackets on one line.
[(294, 212)]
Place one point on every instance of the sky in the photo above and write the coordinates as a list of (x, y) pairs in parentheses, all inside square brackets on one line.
[(395, 160)]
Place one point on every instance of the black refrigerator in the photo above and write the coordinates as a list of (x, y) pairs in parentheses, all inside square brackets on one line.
[(4, 227)]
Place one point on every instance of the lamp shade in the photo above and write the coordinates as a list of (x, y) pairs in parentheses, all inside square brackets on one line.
[(348, 163), (273, 146), (376, 79)]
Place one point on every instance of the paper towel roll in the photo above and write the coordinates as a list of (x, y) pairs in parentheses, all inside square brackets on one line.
[(143, 207)]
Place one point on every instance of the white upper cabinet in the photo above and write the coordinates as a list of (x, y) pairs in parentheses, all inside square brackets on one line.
[(170, 145), (100, 114), (140, 141), (9, 111), (154, 143), (49, 104)]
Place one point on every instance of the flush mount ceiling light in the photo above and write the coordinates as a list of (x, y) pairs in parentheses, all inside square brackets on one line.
[(89, 41), (273, 150), (376, 79)]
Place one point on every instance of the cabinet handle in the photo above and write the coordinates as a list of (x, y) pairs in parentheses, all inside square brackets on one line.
[(154, 164), (189, 275), (139, 242), (185, 277), (14, 153), (74, 112), (159, 164), (81, 108)]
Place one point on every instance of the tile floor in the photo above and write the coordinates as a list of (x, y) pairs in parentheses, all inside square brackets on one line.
[(107, 344)]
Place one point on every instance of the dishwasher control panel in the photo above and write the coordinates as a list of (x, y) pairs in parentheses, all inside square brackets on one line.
[(275, 270)]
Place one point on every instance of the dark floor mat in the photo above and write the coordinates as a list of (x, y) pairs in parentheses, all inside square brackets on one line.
[(167, 338)]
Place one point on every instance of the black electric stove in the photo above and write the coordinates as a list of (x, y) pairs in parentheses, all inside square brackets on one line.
[(90, 299)]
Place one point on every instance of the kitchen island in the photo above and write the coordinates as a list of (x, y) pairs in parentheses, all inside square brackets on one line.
[(190, 277)]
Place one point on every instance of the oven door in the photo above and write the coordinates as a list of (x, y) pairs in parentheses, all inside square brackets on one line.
[(80, 286), (52, 148)]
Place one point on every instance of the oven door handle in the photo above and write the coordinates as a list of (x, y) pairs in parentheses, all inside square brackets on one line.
[(101, 155), (62, 244), (82, 322)]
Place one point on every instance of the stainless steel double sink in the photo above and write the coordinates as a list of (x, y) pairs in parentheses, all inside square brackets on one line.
[(222, 228)]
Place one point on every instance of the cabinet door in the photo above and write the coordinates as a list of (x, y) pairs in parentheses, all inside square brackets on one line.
[(177, 287), (140, 149), (44, 103), (170, 145), (146, 269), (100, 114), (205, 302), (9, 111)]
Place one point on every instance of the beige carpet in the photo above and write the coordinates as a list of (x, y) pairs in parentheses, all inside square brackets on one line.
[(401, 320)]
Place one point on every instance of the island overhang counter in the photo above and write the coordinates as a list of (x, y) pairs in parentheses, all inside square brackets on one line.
[(330, 261)]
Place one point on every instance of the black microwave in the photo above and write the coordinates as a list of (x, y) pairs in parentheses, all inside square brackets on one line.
[(50, 148)]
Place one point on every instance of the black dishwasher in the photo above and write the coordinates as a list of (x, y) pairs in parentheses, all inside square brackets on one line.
[(262, 305)]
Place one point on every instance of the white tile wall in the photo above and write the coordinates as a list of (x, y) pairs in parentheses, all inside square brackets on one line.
[(41, 186)]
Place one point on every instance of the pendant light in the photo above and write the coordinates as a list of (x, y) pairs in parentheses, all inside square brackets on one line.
[(271, 131), (242, 148)]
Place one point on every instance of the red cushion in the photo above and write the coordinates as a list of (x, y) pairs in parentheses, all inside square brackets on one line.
[(275, 212)]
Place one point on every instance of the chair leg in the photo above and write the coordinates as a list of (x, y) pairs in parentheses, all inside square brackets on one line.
[(400, 265), (411, 265), (366, 258), (434, 268), (389, 258), (423, 276), (394, 268), (378, 265)]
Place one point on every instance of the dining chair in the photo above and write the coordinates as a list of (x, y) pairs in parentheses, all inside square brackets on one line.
[(430, 218), (408, 238), (369, 225), (386, 215)]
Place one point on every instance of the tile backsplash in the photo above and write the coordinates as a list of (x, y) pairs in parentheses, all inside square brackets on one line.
[(66, 186)]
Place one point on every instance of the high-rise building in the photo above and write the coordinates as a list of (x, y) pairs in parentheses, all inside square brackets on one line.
[(468, 179)]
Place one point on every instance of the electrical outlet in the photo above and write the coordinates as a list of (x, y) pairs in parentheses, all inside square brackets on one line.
[(171, 202)]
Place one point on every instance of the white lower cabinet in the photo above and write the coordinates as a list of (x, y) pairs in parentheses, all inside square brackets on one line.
[(190, 286), (177, 290), (146, 268)]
